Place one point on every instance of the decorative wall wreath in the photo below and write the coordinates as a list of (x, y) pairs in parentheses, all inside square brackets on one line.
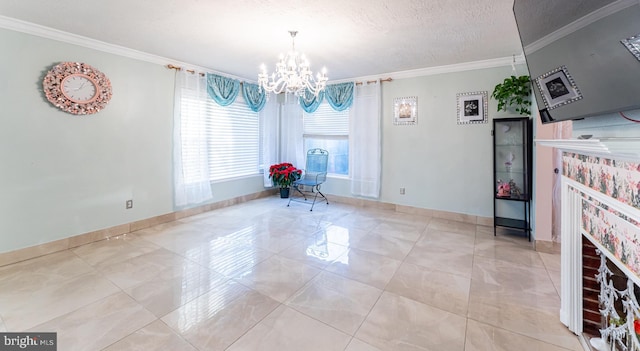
[(77, 88)]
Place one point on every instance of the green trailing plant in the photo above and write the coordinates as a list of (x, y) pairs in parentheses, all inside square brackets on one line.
[(514, 91)]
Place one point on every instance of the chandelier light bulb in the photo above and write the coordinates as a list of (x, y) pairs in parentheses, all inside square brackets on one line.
[(292, 75)]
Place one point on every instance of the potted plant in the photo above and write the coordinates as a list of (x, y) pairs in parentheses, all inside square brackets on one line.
[(283, 175), (514, 91)]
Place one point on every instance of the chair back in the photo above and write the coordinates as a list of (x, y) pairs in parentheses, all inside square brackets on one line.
[(316, 166)]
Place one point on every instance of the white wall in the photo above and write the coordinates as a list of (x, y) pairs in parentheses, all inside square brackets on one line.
[(611, 125), (64, 175), (442, 165)]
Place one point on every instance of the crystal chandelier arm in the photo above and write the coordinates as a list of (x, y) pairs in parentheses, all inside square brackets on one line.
[(276, 87), (293, 75)]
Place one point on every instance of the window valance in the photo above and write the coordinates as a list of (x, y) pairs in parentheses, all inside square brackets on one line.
[(309, 102), (254, 96), (340, 96), (222, 90)]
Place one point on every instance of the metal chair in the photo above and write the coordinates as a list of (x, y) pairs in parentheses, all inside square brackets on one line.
[(315, 173)]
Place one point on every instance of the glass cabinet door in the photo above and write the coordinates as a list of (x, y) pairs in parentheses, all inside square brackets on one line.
[(511, 159), (512, 174)]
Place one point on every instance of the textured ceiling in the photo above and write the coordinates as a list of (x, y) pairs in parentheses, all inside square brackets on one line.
[(352, 38), (535, 21)]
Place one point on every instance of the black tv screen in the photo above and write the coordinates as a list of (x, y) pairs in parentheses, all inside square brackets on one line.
[(583, 55)]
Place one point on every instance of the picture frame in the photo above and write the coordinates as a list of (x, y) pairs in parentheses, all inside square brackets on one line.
[(472, 107), (558, 88), (405, 110), (633, 45)]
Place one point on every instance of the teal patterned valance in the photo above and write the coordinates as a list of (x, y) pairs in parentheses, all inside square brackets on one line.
[(254, 96), (310, 102), (340, 96), (222, 90)]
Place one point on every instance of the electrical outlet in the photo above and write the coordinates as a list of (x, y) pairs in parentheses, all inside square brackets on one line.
[(401, 191), (129, 204)]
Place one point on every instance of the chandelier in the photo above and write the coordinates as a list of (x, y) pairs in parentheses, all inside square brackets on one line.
[(292, 75)]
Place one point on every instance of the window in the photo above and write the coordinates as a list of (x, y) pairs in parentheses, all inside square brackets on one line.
[(329, 129), (231, 133)]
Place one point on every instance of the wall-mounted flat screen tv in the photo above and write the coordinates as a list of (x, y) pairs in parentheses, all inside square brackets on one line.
[(583, 55)]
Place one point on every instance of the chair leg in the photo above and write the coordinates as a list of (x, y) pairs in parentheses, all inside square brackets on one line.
[(317, 191), (295, 187), (325, 198), (300, 191), (314, 202)]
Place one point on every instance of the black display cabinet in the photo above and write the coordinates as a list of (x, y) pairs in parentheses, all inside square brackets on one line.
[(512, 155)]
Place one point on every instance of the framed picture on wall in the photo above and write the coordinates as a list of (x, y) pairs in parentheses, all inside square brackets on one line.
[(405, 110), (472, 107), (633, 45), (558, 88)]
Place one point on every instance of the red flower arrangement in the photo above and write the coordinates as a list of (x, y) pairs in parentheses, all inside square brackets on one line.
[(284, 174)]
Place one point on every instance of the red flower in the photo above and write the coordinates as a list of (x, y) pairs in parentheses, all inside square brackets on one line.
[(284, 174), (636, 326)]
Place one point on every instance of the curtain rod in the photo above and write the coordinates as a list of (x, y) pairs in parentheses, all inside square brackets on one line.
[(178, 68), (373, 81)]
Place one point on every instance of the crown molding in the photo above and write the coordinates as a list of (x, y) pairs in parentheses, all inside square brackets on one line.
[(66, 37), (459, 67), (429, 71), (579, 24), (69, 38)]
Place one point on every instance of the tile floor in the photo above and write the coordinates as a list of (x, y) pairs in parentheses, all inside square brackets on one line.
[(261, 276)]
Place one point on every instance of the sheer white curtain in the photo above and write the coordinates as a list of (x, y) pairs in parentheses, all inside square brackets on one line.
[(270, 126), (291, 147), (364, 141), (190, 153)]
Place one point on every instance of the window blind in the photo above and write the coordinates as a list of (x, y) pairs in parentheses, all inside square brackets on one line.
[(232, 135), (329, 129), (326, 121)]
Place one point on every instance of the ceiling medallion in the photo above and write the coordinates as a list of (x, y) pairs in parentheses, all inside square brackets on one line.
[(292, 75)]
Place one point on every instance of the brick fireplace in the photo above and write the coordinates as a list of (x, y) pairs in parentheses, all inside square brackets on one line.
[(592, 320), (600, 237)]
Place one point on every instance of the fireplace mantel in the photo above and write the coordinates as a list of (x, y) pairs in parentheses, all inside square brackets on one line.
[(627, 148), (600, 203)]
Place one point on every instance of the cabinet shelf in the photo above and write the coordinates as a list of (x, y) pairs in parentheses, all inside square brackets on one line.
[(516, 172), (523, 197), (511, 223), (512, 142)]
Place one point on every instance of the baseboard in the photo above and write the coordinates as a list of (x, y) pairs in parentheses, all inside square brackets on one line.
[(545, 246), (452, 216), (98, 235), (102, 234)]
